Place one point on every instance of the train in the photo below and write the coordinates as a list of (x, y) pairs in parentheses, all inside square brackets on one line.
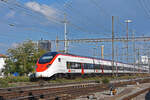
[(56, 64)]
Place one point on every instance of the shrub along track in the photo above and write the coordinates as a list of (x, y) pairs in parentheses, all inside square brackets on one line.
[(65, 92)]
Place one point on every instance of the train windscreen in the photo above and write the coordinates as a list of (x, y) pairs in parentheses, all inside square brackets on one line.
[(46, 58)]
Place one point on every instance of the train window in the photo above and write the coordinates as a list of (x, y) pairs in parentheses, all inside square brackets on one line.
[(72, 64), (91, 66), (68, 65), (97, 66), (114, 67), (88, 66), (108, 67), (120, 68), (45, 59), (59, 59), (77, 66), (84, 66)]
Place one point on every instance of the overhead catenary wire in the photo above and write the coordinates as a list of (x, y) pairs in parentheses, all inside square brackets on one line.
[(142, 4), (105, 14), (74, 25), (30, 15), (14, 7), (30, 12), (78, 27), (88, 20)]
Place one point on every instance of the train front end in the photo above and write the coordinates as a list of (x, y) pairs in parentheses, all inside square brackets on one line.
[(44, 64)]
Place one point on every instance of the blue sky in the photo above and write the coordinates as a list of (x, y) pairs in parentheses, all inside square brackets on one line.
[(34, 19)]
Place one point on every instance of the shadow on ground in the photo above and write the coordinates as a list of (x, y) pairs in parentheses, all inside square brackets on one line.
[(147, 96)]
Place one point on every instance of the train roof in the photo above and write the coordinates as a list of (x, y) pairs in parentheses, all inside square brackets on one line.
[(54, 53)]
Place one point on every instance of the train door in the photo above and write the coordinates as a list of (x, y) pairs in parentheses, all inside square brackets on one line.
[(61, 64)]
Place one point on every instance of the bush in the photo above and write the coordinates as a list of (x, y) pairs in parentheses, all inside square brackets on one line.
[(105, 80), (3, 83), (12, 79)]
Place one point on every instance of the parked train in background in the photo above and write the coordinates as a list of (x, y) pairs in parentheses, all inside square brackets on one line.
[(53, 64)]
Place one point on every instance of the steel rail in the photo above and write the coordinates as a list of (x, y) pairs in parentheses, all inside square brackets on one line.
[(62, 92), (130, 97)]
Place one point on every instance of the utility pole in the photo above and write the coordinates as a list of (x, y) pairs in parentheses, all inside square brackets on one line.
[(134, 50), (127, 21), (65, 35), (102, 51), (113, 45), (94, 52), (57, 49), (149, 59), (124, 55), (138, 57), (116, 61)]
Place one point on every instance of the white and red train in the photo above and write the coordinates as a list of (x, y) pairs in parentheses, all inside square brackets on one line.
[(54, 63)]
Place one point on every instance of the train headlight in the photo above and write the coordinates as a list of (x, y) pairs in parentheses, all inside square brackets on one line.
[(48, 65)]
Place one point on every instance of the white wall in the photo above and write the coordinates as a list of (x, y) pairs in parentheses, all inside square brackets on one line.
[(2, 63)]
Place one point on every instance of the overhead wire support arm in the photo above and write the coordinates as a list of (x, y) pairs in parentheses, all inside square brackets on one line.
[(121, 39)]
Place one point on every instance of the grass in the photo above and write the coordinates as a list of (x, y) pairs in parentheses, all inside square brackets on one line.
[(3, 83), (79, 79), (105, 80), (12, 81)]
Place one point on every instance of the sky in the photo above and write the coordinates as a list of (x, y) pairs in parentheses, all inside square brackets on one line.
[(35, 19)]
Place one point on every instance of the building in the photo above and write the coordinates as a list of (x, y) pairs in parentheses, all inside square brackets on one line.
[(2, 64), (144, 59), (44, 45)]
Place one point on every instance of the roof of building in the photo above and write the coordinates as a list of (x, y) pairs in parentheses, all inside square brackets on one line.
[(1, 55)]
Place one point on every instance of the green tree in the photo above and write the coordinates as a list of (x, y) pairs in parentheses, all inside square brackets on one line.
[(22, 59)]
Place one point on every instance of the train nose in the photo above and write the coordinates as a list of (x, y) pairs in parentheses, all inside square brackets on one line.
[(41, 67), (38, 75)]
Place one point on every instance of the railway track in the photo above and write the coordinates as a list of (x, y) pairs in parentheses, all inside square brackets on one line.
[(43, 85), (130, 97), (63, 92)]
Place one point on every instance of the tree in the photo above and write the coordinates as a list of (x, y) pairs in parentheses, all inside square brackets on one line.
[(22, 58)]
